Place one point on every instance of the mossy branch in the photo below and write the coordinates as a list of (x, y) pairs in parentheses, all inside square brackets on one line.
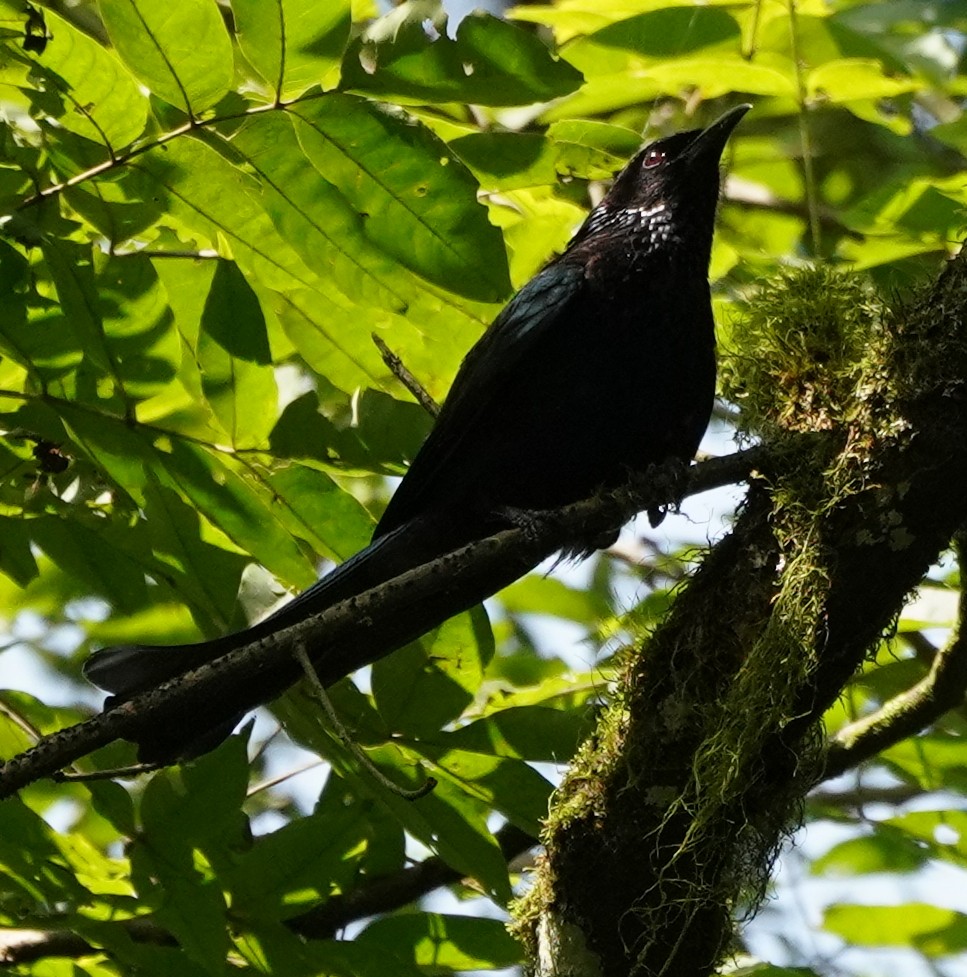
[(683, 796)]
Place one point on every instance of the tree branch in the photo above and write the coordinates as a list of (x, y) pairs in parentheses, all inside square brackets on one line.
[(415, 600), (391, 892), (942, 689), (399, 370)]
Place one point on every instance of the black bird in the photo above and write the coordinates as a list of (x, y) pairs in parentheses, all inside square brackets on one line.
[(601, 365)]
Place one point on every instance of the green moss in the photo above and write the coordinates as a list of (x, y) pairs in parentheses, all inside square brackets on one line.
[(800, 351)]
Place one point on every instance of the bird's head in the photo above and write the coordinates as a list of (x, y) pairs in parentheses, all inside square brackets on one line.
[(667, 194)]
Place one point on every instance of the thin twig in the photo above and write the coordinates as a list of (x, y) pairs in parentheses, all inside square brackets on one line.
[(283, 777), (805, 136), (398, 368), (121, 773), (319, 690), (862, 795), (113, 162)]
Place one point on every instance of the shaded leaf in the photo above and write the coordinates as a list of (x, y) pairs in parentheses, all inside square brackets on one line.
[(100, 98), (415, 199), (421, 687), (445, 941), (490, 62), (234, 359)]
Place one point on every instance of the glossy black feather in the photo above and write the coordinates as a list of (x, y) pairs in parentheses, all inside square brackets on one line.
[(601, 365)]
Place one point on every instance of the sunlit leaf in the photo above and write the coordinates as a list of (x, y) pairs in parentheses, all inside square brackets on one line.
[(179, 50), (99, 97), (293, 44), (933, 931)]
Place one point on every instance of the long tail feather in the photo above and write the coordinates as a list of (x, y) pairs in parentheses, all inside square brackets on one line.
[(196, 725)]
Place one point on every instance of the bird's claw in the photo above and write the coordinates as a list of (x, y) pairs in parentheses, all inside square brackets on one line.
[(528, 520), (667, 481)]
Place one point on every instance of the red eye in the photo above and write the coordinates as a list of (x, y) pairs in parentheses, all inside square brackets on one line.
[(653, 157)]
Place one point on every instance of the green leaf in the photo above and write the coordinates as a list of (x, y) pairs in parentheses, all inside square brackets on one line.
[(416, 201), (452, 824), (274, 950), (16, 340), (71, 268), (218, 206), (431, 681), (90, 556), (178, 49), (931, 930), (941, 834), (225, 492), (234, 359), (856, 79), (100, 99), (512, 787), (447, 820), (934, 760), (534, 733), (511, 160), (140, 958), (490, 62), (34, 875), (672, 32), (616, 79), (133, 310), (375, 433), (547, 595), (205, 576), (886, 850), (197, 806), (16, 559), (189, 905), (293, 44), (769, 970), (445, 941), (114, 804), (124, 207), (314, 508), (290, 870), (508, 160), (200, 803), (240, 507), (322, 226), (119, 316), (213, 202)]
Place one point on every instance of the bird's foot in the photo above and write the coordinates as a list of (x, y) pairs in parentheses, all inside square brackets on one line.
[(667, 481), (531, 521)]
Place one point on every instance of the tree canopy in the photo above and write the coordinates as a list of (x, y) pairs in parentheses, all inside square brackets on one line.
[(230, 233)]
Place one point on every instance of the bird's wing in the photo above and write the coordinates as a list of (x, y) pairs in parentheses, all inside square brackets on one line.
[(522, 324)]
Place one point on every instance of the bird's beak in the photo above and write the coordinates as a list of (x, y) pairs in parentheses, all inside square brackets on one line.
[(711, 141)]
